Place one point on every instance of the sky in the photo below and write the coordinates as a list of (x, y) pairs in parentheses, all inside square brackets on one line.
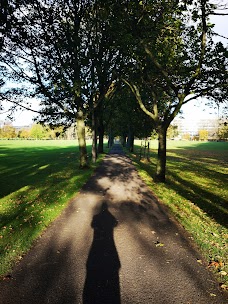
[(198, 106), (198, 109), (24, 118)]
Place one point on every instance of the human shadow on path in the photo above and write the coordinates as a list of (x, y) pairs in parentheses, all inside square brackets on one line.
[(103, 264)]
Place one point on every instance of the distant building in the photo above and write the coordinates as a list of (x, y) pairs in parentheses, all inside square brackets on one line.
[(19, 128), (193, 126)]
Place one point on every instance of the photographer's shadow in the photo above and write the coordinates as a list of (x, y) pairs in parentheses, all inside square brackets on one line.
[(103, 264)]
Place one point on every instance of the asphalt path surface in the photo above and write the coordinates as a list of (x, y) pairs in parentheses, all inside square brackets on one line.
[(114, 243)]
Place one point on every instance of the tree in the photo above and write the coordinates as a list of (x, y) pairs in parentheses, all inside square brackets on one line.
[(104, 64), (127, 119), (8, 131), (65, 49), (203, 135), (24, 133), (186, 136), (46, 50), (223, 131), (172, 131), (37, 131), (174, 64)]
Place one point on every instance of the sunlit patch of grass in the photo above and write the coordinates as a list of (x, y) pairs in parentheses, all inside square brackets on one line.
[(38, 178), (196, 193)]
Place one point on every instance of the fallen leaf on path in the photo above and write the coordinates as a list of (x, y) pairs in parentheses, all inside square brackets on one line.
[(168, 261), (224, 286), (223, 272), (158, 244), (200, 262), (7, 277)]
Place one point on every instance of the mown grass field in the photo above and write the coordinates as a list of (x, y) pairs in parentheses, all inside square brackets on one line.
[(196, 192), (37, 180)]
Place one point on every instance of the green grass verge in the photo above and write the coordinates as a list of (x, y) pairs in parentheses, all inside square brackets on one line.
[(196, 193), (37, 180)]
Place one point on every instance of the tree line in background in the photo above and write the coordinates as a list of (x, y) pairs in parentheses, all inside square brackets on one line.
[(35, 131), (38, 131), (121, 67)]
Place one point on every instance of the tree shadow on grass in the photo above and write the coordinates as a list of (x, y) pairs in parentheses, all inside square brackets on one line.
[(202, 197), (205, 200), (35, 166), (103, 264)]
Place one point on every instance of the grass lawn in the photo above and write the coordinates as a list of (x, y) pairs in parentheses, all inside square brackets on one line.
[(37, 180), (196, 192)]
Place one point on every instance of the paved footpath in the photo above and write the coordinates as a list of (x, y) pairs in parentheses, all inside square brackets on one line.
[(113, 244)]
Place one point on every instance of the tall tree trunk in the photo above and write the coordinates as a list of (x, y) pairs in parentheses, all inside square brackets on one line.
[(123, 140), (101, 136), (110, 138), (161, 161), (81, 139), (130, 140), (94, 137)]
